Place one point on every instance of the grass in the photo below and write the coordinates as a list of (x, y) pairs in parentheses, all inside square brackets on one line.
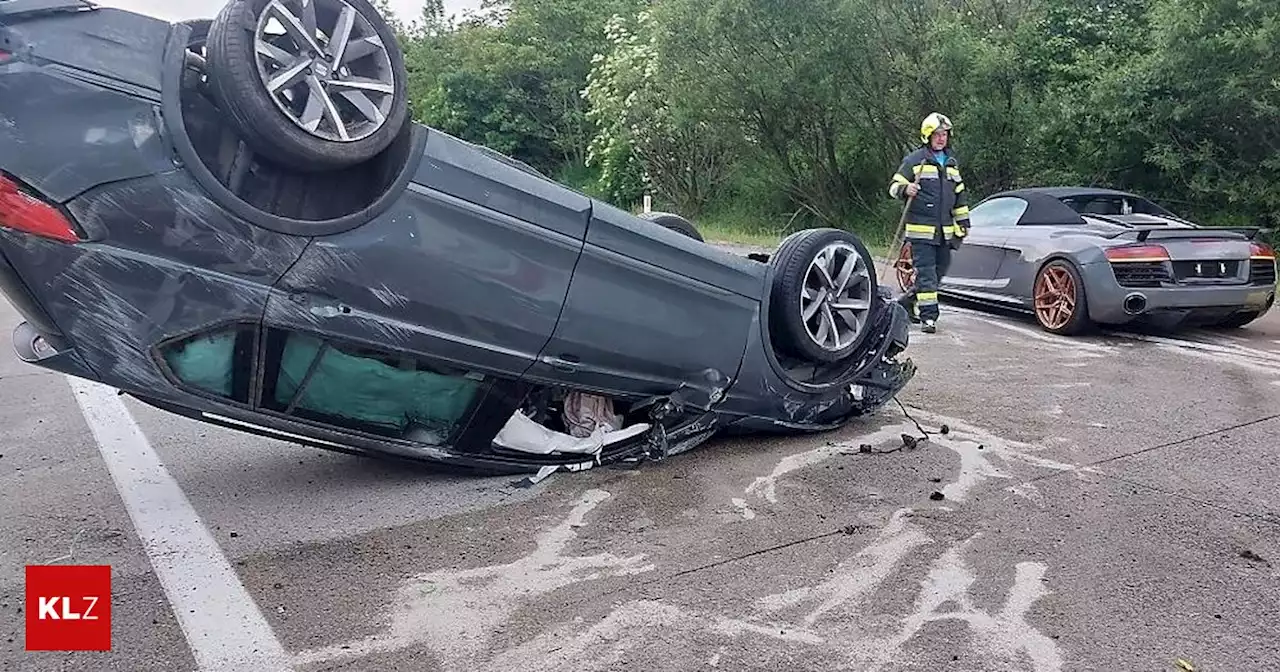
[(717, 232), (745, 224), (720, 234)]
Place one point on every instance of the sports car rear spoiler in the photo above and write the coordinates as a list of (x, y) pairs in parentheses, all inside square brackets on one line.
[(1246, 232), (16, 8)]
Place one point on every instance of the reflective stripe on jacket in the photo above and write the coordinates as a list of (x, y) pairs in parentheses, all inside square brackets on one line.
[(941, 205)]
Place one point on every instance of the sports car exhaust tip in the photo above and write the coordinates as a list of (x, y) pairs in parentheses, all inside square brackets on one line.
[(1135, 303)]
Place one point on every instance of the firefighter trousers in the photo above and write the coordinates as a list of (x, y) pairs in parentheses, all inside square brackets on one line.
[(931, 259)]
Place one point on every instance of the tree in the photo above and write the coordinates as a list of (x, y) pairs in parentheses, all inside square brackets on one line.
[(647, 132), (1210, 90), (808, 105)]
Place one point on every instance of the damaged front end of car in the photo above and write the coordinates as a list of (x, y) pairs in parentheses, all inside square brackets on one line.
[(778, 394)]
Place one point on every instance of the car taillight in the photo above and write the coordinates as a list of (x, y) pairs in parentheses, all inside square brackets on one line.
[(1261, 251), (23, 212), (1138, 253), (4, 55)]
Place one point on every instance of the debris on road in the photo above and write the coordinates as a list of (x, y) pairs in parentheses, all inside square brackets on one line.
[(908, 443), (1249, 555), (530, 481), (937, 496)]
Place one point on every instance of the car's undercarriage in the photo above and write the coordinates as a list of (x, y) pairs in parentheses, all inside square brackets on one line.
[(399, 292)]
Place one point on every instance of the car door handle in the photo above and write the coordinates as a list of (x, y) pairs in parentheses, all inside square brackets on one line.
[(321, 306), (567, 364)]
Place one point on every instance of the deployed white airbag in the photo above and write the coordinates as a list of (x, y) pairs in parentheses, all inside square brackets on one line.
[(523, 434)]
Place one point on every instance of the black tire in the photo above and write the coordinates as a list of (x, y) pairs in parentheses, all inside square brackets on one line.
[(241, 95), (791, 266), (675, 223), (1079, 321)]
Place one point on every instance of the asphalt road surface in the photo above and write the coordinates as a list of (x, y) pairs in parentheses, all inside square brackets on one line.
[(1107, 503)]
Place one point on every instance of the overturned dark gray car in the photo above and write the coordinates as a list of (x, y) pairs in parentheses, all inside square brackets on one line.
[(237, 221)]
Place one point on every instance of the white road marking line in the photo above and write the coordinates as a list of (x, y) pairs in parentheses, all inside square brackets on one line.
[(222, 624)]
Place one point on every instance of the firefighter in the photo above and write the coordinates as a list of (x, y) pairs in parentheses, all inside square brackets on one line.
[(937, 217)]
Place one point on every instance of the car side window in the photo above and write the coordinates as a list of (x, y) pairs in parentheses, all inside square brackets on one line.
[(217, 362), (998, 212), (366, 389), (1099, 205)]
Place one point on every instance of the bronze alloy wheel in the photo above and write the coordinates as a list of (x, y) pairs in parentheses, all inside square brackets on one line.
[(1056, 298), (904, 268)]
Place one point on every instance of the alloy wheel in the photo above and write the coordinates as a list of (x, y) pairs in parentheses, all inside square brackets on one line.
[(1055, 297), (905, 268), (325, 67), (835, 301)]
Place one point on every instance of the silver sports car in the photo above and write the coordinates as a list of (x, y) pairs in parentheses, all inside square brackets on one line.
[(1074, 257)]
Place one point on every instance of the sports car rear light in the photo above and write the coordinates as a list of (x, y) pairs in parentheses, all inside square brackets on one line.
[(1261, 251), (4, 55), (1138, 253), (23, 212)]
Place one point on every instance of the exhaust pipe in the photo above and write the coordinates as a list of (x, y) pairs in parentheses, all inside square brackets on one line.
[(1135, 303)]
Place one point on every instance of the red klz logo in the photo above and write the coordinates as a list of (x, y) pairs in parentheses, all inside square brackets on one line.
[(68, 608)]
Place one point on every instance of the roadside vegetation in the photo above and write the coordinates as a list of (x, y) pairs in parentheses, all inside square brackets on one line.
[(758, 117)]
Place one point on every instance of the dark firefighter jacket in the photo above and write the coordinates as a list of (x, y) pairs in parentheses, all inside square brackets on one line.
[(940, 210)]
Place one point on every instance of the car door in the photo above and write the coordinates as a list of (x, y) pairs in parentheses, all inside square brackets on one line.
[(976, 265), (433, 310), (650, 310)]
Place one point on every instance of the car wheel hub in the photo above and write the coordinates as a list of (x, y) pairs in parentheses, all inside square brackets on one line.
[(334, 81), (1055, 297), (835, 300), (905, 268)]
